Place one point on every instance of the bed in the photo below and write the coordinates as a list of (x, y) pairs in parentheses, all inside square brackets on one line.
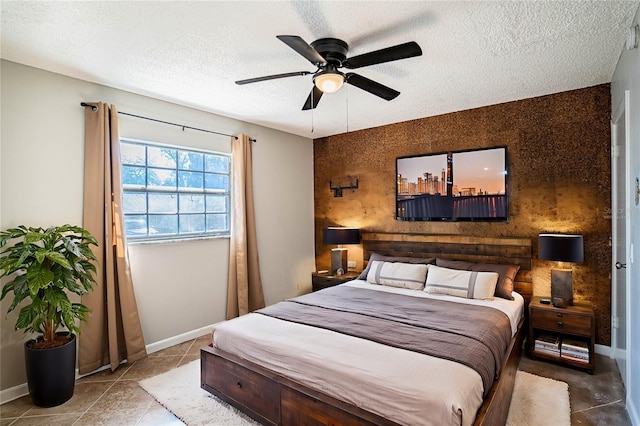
[(281, 368)]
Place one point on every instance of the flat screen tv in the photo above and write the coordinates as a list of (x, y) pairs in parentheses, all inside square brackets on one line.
[(453, 186)]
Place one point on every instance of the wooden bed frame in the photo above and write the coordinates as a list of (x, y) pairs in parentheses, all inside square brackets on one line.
[(273, 399)]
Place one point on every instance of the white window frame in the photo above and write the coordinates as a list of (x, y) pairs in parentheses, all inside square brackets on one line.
[(177, 191)]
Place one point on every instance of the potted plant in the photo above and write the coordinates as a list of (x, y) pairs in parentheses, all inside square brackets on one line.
[(43, 266)]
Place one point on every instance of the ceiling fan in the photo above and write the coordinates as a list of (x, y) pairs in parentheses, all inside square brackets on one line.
[(329, 54)]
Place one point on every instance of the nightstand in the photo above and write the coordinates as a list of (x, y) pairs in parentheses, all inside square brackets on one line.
[(571, 325), (320, 281)]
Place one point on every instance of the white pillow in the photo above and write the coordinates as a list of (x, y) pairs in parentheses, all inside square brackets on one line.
[(396, 274), (454, 282)]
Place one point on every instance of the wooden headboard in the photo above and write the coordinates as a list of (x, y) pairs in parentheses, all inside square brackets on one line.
[(503, 250)]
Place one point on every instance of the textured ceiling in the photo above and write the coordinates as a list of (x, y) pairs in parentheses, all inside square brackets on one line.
[(475, 53)]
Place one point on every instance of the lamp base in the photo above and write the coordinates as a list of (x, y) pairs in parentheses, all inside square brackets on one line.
[(561, 288), (338, 261)]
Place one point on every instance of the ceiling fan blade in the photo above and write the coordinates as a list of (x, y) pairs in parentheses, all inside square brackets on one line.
[(393, 53), (313, 99), (371, 86), (272, 77), (303, 48)]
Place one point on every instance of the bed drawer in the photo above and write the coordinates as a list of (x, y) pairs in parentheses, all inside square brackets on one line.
[(559, 321), (300, 409), (255, 392)]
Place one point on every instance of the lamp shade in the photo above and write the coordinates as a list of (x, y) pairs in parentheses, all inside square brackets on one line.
[(328, 82), (561, 247), (336, 235)]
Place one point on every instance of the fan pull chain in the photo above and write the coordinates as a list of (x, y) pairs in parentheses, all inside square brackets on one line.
[(312, 92), (347, 87)]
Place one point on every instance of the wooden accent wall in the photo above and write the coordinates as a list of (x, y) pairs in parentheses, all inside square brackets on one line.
[(559, 180)]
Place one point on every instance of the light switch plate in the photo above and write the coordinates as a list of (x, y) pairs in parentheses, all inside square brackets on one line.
[(351, 264)]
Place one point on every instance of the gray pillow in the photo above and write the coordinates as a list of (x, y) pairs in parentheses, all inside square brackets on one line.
[(414, 260), (454, 264), (506, 276), (506, 273)]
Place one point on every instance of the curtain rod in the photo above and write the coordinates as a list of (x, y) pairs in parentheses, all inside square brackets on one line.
[(95, 108)]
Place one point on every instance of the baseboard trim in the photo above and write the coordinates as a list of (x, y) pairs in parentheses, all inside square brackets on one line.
[(181, 338), (7, 395), (603, 350), (15, 392), (633, 412), (618, 353)]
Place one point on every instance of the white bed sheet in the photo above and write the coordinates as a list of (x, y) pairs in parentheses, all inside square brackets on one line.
[(407, 387), (514, 309)]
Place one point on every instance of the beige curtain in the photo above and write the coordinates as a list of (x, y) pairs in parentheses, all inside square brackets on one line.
[(112, 332), (245, 287)]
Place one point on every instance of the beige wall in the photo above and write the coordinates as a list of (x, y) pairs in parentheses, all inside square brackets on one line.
[(181, 286)]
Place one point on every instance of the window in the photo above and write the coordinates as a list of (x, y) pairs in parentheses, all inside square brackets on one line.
[(174, 193)]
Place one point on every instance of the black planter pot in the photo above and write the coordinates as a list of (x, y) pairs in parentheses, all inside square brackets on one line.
[(51, 373)]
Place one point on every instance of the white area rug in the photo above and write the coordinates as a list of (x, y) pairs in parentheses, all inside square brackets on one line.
[(179, 391), (536, 400)]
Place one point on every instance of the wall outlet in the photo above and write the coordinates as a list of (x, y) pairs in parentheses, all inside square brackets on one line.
[(351, 264)]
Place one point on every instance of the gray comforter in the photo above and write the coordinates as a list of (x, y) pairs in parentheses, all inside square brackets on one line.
[(475, 336)]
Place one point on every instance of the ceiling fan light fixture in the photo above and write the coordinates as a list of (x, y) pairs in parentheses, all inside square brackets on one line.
[(329, 82), (329, 54)]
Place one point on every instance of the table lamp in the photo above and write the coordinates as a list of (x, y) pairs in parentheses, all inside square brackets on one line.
[(561, 248), (339, 236)]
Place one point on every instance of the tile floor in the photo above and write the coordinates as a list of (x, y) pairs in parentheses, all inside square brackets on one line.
[(107, 398), (116, 399)]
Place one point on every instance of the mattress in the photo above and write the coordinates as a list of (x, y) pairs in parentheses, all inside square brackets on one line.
[(404, 386)]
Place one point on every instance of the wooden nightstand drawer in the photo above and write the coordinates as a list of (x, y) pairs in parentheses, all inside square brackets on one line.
[(320, 281), (561, 322), (326, 279)]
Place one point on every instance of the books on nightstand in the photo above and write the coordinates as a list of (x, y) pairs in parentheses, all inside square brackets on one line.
[(575, 350), (548, 343)]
